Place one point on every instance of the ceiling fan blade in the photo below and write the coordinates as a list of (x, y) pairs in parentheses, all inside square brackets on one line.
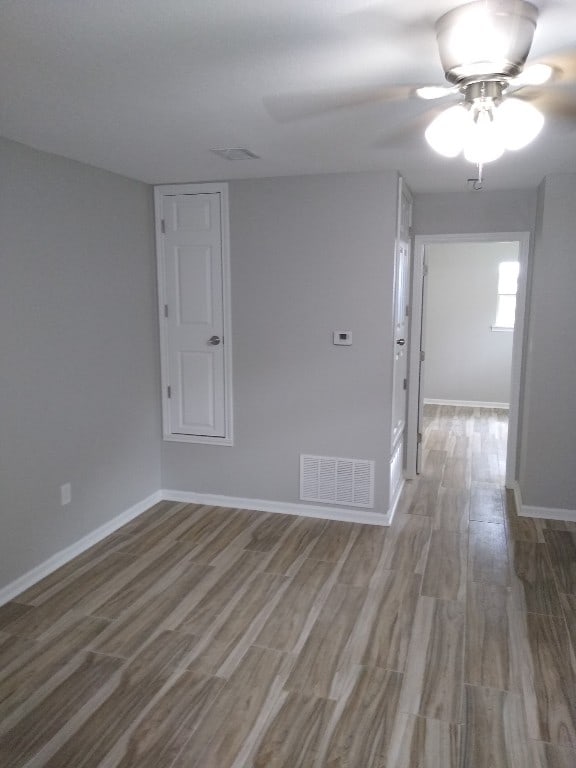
[(563, 64), (433, 92), (409, 132), (533, 74), (554, 103), (378, 20), (297, 106)]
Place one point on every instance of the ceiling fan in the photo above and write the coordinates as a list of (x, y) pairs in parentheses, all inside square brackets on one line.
[(483, 49), (483, 46)]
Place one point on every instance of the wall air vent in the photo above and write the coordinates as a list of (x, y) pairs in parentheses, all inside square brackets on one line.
[(235, 153), (330, 480)]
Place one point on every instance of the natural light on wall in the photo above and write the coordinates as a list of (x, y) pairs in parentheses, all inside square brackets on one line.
[(507, 288)]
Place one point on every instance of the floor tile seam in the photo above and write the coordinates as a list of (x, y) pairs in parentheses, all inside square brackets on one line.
[(497, 689), (221, 617), (69, 665), (163, 582), (293, 525)]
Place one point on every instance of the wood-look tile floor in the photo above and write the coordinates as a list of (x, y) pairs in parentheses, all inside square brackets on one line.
[(222, 638)]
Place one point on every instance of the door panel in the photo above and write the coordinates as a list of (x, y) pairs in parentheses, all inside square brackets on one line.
[(194, 282), (197, 404), (192, 213)]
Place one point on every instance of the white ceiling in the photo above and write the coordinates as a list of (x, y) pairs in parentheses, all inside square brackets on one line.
[(146, 87)]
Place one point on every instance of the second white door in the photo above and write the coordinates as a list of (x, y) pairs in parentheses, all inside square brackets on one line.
[(191, 250)]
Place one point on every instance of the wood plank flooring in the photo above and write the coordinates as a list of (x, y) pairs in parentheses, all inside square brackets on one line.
[(221, 638)]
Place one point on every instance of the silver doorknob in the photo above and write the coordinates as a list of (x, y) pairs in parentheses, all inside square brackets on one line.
[(401, 342), (214, 341)]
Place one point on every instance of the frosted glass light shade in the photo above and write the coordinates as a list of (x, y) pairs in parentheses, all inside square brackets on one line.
[(484, 130), (446, 133), (483, 142), (486, 37), (518, 122)]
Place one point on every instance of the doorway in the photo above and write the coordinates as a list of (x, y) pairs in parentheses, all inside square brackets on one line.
[(425, 247)]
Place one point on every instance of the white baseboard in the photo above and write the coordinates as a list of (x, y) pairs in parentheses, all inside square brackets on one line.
[(286, 508), (395, 501), (550, 513), (515, 488), (31, 577), (65, 555), (546, 513), (466, 403)]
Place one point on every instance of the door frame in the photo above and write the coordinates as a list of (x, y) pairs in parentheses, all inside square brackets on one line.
[(518, 352), (191, 189), (402, 189)]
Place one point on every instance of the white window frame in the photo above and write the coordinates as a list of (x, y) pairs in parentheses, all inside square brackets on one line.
[(183, 189), (499, 293)]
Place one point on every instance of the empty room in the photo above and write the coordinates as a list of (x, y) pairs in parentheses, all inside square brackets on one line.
[(288, 352)]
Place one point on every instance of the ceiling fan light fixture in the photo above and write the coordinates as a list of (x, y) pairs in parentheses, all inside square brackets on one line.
[(519, 123), (476, 39), (486, 37), (483, 47), (483, 142), (445, 134), (484, 127)]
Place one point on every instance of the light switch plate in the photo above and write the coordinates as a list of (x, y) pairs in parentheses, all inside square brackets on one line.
[(342, 338)]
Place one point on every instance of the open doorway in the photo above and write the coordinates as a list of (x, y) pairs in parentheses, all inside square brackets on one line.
[(466, 349)]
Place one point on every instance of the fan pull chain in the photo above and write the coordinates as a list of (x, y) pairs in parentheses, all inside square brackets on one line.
[(479, 182)]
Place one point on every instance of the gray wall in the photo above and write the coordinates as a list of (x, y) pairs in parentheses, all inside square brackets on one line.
[(548, 445), (79, 399), (442, 213), (465, 359), (309, 255)]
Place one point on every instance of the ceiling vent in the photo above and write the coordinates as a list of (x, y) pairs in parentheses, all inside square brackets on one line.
[(235, 153), (329, 480)]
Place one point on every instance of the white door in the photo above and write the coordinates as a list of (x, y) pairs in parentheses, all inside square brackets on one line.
[(193, 314), (421, 364), (401, 300)]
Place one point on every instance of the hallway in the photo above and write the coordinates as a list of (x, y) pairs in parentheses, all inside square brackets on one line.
[(517, 579)]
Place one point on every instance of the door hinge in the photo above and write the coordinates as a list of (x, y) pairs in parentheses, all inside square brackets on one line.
[(163, 227), (407, 310), (419, 437), (405, 384), (165, 310), (422, 355), (168, 392), (425, 270), (411, 231)]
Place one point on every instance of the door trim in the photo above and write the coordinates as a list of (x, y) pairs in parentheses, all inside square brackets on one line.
[(420, 243), (402, 188), (191, 189)]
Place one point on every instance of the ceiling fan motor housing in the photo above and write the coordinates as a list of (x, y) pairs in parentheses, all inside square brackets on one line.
[(486, 40)]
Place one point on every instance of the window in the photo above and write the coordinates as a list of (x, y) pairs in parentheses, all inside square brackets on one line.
[(507, 288)]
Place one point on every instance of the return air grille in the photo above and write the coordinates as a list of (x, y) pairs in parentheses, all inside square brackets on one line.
[(329, 480)]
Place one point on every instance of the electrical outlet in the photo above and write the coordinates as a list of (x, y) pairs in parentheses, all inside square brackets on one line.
[(65, 494)]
